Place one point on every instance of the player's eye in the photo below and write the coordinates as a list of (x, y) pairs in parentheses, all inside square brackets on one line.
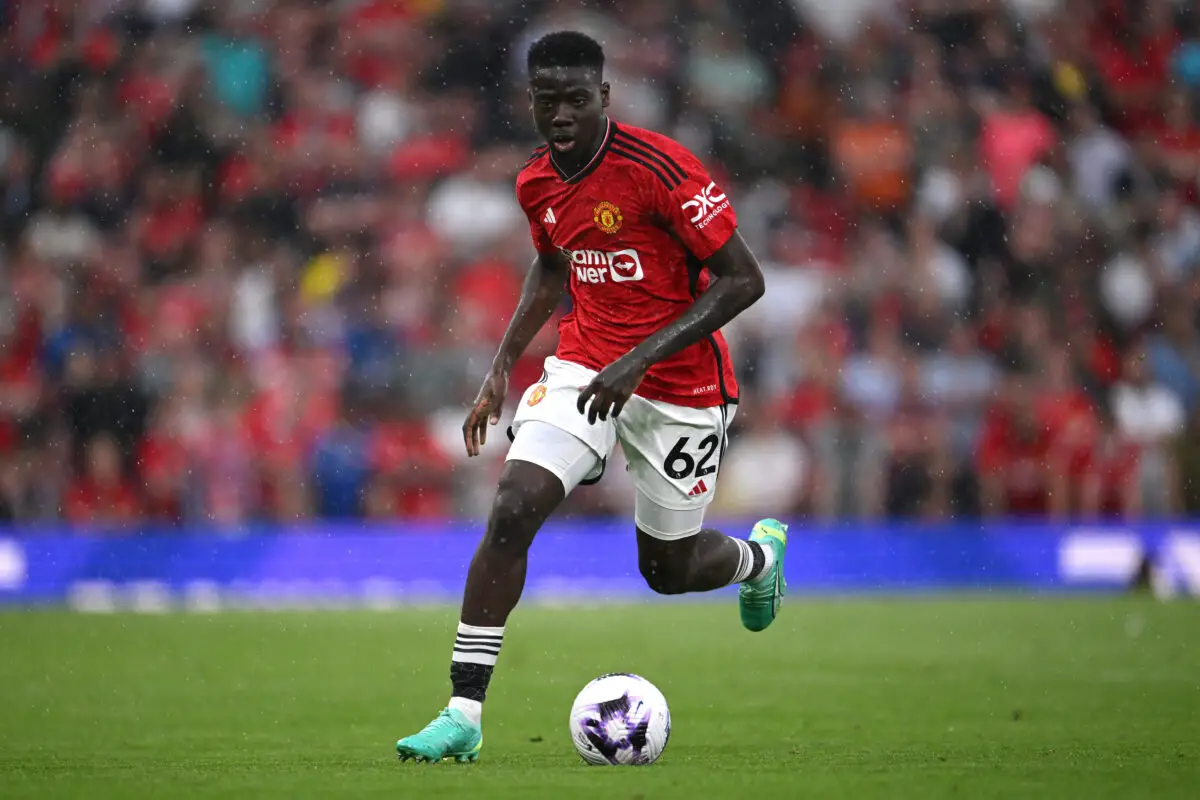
[(579, 102)]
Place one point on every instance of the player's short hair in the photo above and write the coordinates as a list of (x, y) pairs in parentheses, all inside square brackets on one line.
[(565, 49)]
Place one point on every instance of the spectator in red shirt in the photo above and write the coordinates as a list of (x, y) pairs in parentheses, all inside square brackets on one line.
[(20, 381), (163, 468), (411, 475), (1069, 420), (1061, 406), (224, 461), (1014, 455), (169, 224), (1173, 145), (1110, 487), (1133, 56), (102, 495), (918, 467)]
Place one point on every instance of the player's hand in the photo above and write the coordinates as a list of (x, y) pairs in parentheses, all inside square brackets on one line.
[(611, 389), (485, 411)]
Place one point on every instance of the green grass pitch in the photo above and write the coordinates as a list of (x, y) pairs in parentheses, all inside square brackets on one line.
[(963, 698)]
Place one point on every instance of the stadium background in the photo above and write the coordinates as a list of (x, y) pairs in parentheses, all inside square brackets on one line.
[(255, 258)]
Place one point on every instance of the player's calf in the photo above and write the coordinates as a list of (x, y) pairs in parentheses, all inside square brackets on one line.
[(666, 576), (700, 562)]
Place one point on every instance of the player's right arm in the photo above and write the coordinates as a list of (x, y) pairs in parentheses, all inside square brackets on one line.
[(541, 294)]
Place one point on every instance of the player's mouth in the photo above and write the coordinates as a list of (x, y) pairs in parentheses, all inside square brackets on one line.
[(563, 143)]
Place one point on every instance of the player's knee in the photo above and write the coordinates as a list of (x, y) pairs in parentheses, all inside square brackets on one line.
[(511, 526), (664, 576)]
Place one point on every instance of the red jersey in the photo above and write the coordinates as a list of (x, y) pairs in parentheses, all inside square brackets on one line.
[(636, 224)]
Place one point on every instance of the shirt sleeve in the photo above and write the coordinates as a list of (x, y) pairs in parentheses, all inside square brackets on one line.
[(696, 209), (537, 231), (541, 239)]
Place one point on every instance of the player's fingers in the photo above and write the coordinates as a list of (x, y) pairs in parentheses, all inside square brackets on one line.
[(588, 393), (471, 433), (603, 406), (610, 408), (599, 409), (467, 434), (594, 401), (619, 405)]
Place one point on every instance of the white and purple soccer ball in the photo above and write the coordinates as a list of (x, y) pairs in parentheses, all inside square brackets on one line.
[(620, 718)]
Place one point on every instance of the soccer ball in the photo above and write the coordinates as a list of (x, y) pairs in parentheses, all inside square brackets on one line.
[(620, 718)]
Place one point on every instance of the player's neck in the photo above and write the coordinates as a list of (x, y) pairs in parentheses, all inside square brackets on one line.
[(572, 163)]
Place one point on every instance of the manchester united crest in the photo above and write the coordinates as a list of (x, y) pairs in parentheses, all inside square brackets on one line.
[(607, 217), (538, 395)]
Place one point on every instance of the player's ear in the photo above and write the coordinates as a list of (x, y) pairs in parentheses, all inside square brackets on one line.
[(604, 95)]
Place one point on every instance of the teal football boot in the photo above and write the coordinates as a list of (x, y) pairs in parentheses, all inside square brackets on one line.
[(759, 600), (450, 736)]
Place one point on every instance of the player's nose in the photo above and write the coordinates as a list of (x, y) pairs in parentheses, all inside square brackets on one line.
[(564, 116)]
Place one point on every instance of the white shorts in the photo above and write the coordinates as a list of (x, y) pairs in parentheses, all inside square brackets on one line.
[(673, 452)]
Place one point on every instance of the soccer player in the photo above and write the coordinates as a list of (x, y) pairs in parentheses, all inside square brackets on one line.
[(630, 223)]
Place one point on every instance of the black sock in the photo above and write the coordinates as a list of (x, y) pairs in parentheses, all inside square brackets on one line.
[(470, 681), (759, 559)]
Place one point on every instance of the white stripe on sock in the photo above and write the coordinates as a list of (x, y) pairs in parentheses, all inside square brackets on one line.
[(470, 643), (479, 641), (486, 659), (477, 645), (745, 561)]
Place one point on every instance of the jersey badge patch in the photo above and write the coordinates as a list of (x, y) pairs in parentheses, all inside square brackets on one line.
[(607, 217)]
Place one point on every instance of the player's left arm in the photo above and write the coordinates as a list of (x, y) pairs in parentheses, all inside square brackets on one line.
[(739, 283)]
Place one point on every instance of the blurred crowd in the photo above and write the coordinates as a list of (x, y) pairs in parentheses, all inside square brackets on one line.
[(255, 257)]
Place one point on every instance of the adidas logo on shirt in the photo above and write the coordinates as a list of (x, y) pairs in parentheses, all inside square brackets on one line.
[(549, 218)]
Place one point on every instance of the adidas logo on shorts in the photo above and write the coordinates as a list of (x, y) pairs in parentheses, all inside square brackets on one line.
[(698, 489)]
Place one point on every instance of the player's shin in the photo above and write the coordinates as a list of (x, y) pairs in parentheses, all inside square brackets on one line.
[(494, 584), (526, 496)]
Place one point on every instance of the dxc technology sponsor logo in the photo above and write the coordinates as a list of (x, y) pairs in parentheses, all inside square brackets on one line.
[(708, 204)]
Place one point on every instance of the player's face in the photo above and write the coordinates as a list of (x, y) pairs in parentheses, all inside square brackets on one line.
[(568, 110)]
